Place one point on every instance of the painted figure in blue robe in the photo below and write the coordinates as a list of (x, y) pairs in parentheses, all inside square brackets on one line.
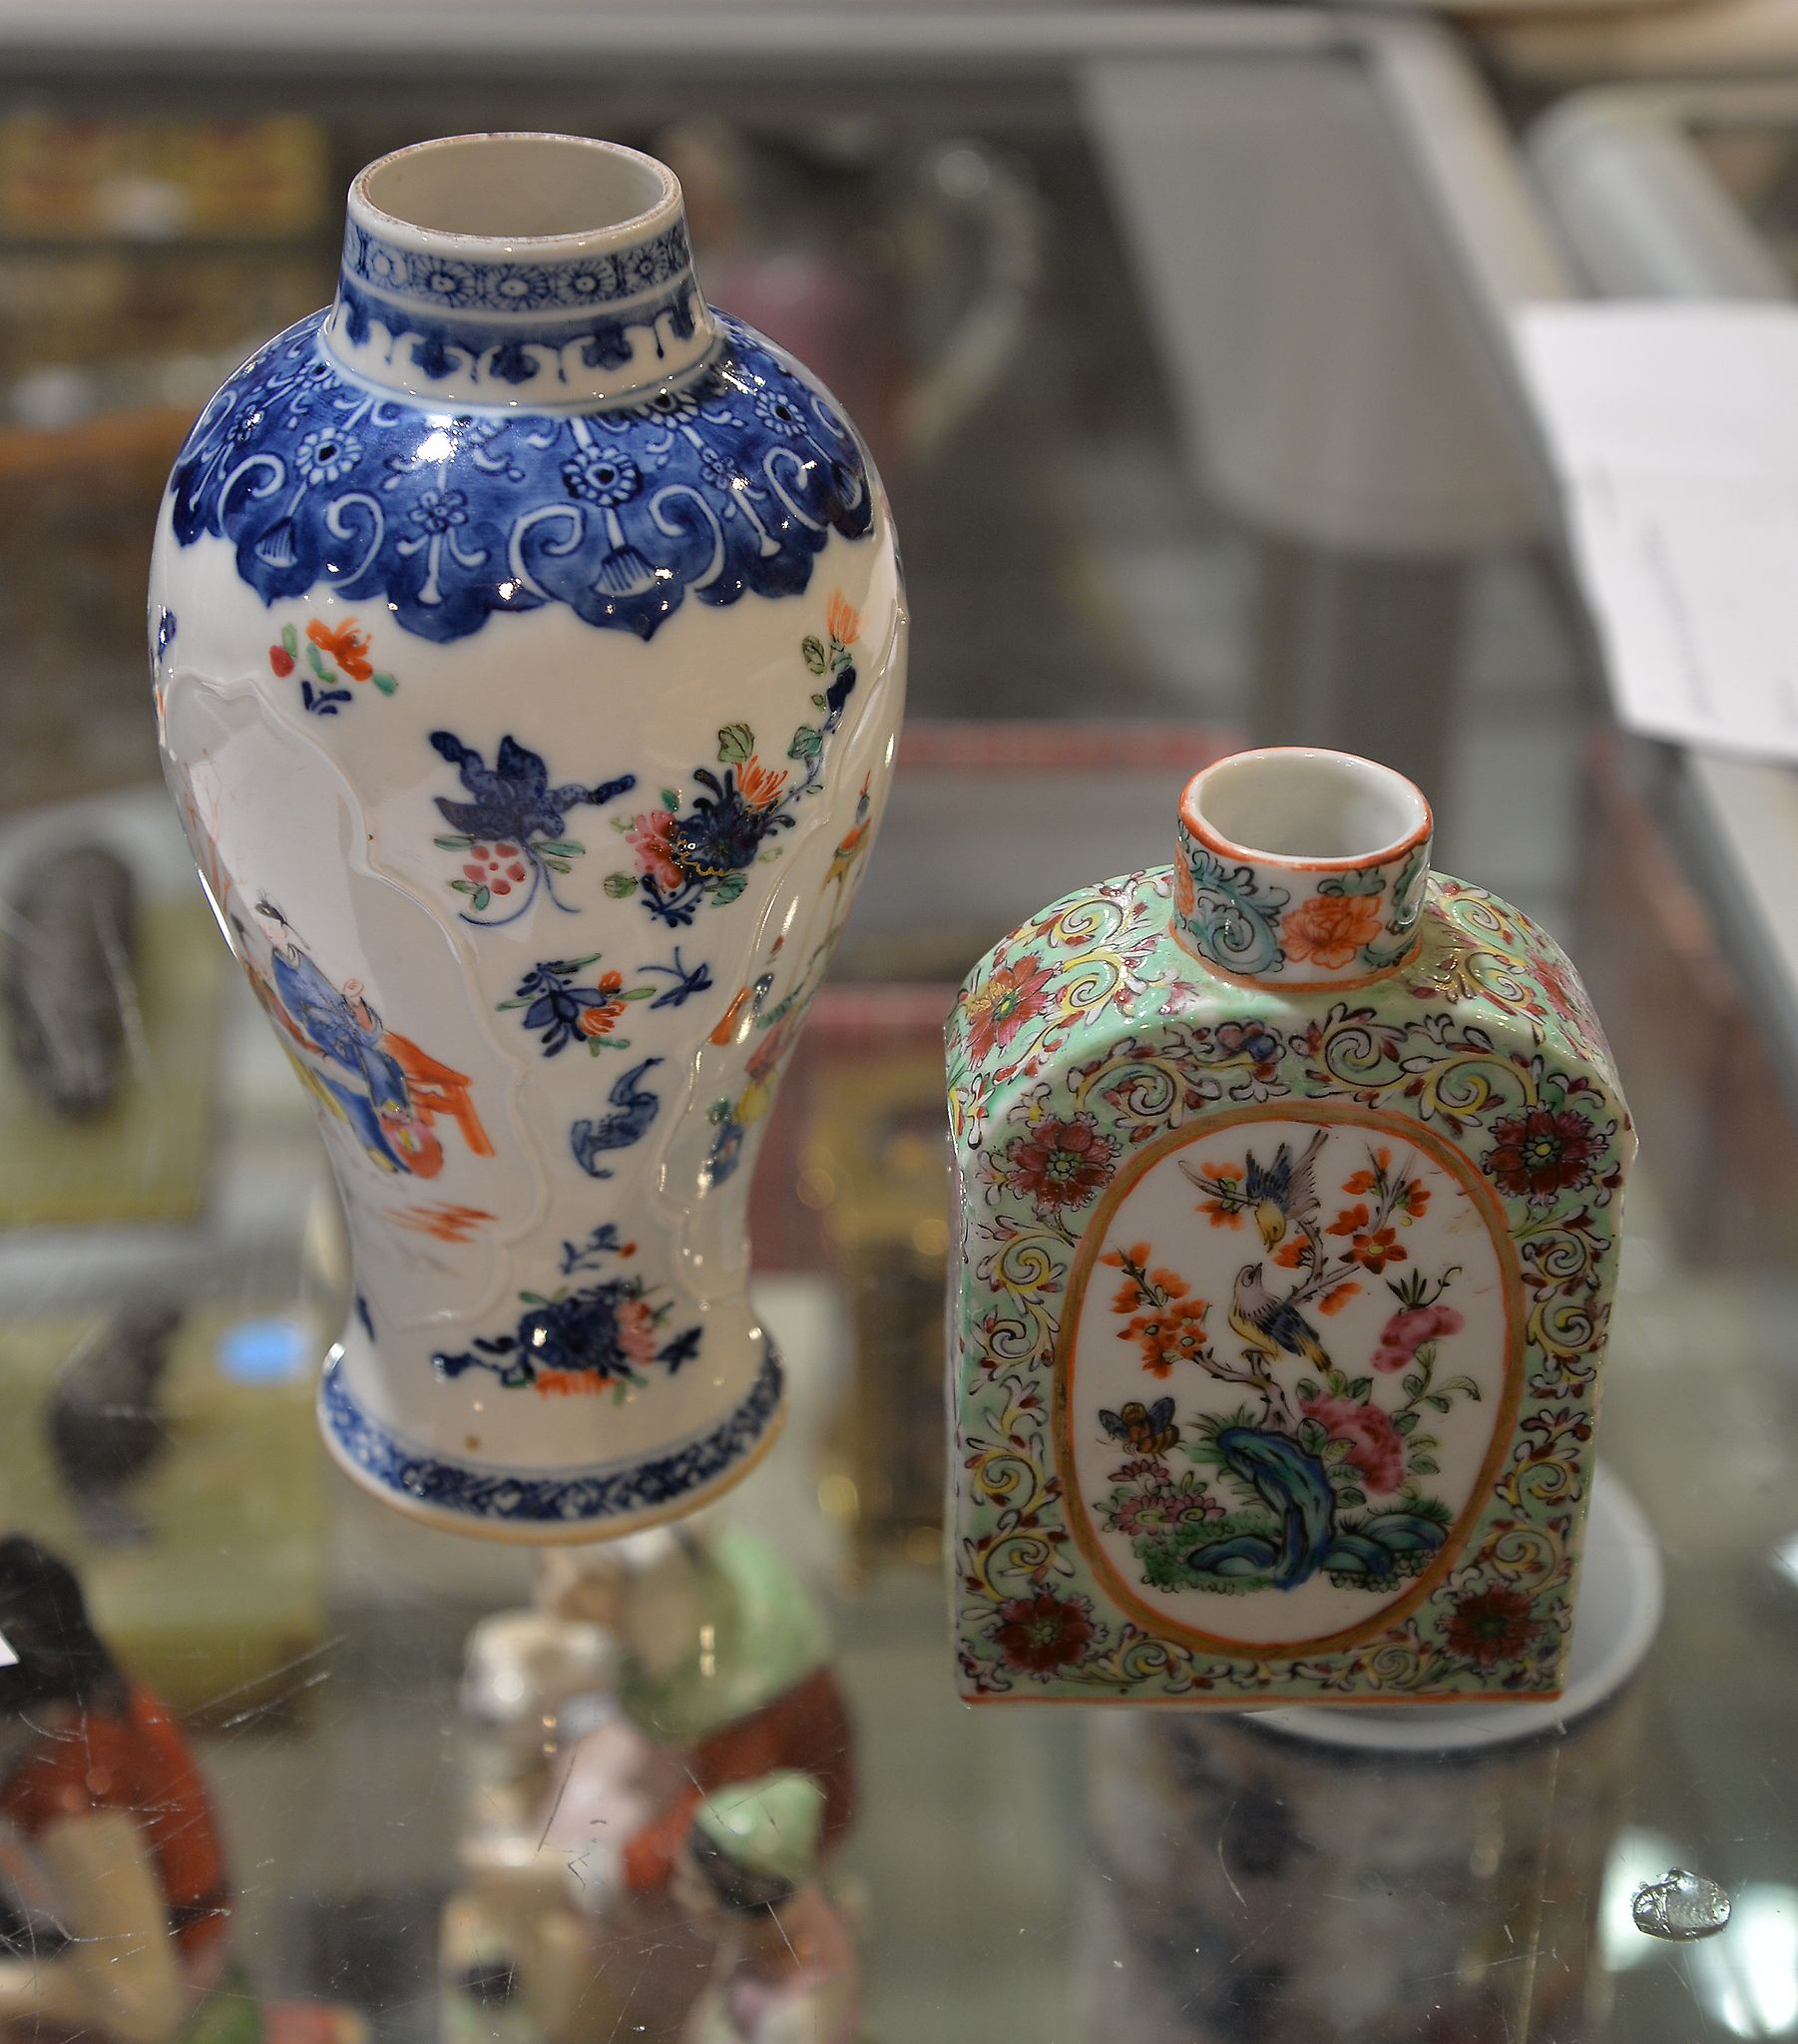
[(362, 1076), (349, 1033)]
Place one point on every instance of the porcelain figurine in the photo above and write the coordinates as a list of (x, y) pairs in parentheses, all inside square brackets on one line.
[(725, 1660), (113, 1889), (529, 648), (514, 1950), (542, 1939), (785, 1968), (721, 1675), (1289, 1186), (531, 1686), (643, 1959)]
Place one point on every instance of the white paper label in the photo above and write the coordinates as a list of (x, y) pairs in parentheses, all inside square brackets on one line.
[(1674, 431)]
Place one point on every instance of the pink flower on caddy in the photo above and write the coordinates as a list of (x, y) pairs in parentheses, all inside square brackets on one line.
[(1409, 1328), (1376, 1447), (1149, 1511)]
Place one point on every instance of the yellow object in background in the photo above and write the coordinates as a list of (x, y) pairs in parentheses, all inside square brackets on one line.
[(68, 179), (132, 241), (224, 1585)]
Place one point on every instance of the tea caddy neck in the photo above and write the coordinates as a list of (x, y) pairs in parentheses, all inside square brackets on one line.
[(527, 272), (1296, 868)]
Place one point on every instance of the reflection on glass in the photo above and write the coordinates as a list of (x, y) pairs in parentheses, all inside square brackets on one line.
[(1382, 1874), (1269, 1881)]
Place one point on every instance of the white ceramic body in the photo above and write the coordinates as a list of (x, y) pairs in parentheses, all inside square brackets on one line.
[(544, 1170)]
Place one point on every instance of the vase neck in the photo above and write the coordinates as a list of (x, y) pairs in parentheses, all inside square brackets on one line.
[(1300, 869), (524, 271)]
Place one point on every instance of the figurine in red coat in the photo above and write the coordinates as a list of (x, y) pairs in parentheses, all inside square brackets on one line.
[(116, 1907)]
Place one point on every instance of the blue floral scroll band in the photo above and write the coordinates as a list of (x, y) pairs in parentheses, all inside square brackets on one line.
[(441, 344), (564, 1497), (456, 286)]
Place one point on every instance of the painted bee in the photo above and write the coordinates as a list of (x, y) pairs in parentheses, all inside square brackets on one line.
[(1146, 1431)]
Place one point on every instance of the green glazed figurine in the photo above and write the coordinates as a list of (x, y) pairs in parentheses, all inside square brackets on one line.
[(1290, 1182), (785, 1968)]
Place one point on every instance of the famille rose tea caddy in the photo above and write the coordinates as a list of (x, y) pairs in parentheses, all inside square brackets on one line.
[(528, 649), (1290, 1182)]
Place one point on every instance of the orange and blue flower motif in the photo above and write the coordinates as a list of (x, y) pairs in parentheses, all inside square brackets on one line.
[(1329, 922)]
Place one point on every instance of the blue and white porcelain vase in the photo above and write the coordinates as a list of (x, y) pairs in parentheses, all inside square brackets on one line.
[(528, 649)]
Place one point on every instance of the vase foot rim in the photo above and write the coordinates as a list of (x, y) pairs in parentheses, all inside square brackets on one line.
[(562, 1507)]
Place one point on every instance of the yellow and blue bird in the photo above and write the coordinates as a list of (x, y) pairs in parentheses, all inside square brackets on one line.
[(1281, 1195), (1272, 1326), (1284, 1193)]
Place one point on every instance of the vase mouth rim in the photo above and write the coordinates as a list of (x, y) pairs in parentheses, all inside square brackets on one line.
[(1325, 811), (612, 196)]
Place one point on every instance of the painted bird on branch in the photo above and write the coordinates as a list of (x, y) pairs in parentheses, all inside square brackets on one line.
[(1283, 1194), (1272, 1326)]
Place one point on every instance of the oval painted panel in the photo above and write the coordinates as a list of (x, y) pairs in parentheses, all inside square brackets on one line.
[(1290, 1363)]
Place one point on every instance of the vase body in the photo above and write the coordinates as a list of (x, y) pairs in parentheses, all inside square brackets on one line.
[(1288, 1190), (529, 652)]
